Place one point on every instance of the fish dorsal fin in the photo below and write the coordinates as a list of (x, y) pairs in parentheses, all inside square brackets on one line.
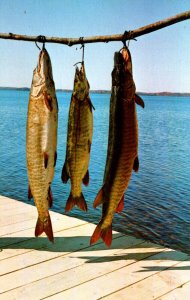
[(139, 101)]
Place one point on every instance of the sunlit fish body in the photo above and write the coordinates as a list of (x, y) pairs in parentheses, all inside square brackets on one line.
[(79, 139), (41, 141), (122, 154)]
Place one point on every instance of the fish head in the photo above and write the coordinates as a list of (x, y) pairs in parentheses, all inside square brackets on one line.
[(127, 74), (81, 85), (42, 74), (44, 65), (43, 71), (127, 60)]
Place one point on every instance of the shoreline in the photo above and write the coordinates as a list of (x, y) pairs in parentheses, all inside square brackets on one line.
[(175, 94)]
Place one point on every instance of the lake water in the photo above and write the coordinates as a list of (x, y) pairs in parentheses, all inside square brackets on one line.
[(157, 201)]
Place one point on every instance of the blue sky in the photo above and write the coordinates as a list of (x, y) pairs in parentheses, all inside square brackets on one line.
[(161, 60)]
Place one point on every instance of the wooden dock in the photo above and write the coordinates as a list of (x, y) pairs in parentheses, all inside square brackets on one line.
[(34, 268)]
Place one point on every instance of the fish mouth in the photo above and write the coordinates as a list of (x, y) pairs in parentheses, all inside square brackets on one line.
[(44, 67)]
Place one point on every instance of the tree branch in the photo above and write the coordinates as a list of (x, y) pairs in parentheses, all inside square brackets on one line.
[(106, 38)]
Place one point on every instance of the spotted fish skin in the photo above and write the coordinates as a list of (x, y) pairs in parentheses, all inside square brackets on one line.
[(41, 141), (79, 139), (122, 154)]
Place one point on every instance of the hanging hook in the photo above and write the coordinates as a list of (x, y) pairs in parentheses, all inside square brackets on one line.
[(41, 39), (37, 46), (124, 38), (128, 35), (82, 46)]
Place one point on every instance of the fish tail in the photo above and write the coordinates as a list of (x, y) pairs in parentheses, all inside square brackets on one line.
[(79, 201), (105, 234), (44, 226)]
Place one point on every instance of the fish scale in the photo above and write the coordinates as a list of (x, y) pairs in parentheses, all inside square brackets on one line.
[(122, 153)]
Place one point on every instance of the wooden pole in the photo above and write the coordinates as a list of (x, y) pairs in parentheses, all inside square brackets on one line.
[(127, 35)]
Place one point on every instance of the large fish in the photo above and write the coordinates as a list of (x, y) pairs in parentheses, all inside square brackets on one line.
[(79, 139), (122, 154), (41, 141)]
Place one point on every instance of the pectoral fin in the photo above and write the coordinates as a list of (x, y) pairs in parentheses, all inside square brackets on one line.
[(139, 101)]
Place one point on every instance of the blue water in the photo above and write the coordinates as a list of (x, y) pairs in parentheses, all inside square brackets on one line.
[(157, 201)]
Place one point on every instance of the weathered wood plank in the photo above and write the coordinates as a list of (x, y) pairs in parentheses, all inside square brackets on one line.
[(33, 268), (24, 241), (122, 277), (156, 285), (65, 242), (35, 257), (182, 292), (83, 265)]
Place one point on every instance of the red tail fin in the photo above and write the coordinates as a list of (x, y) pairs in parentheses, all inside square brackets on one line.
[(79, 201), (105, 234), (44, 226)]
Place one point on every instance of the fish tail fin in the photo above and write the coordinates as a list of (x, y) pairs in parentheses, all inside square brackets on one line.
[(120, 205), (44, 226), (79, 201), (99, 198), (104, 234)]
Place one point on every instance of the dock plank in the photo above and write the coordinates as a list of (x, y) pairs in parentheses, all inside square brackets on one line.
[(121, 277), (182, 292), (75, 268), (34, 268), (157, 284)]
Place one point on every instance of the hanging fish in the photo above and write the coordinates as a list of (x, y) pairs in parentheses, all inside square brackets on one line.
[(41, 141), (122, 154), (79, 139)]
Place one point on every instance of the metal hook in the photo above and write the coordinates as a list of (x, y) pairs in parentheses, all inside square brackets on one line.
[(37, 46), (41, 39), (82, 46)]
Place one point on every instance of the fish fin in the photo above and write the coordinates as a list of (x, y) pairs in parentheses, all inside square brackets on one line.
[(136, 164), (64, 175), (48, 101), (139, 101), (44, 227), (105, 234), (120, 205), (45, 160), (50, 197), (29, 193), (86, 179), (99, 198), (91, 105), (55, 158), (79, 201)]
